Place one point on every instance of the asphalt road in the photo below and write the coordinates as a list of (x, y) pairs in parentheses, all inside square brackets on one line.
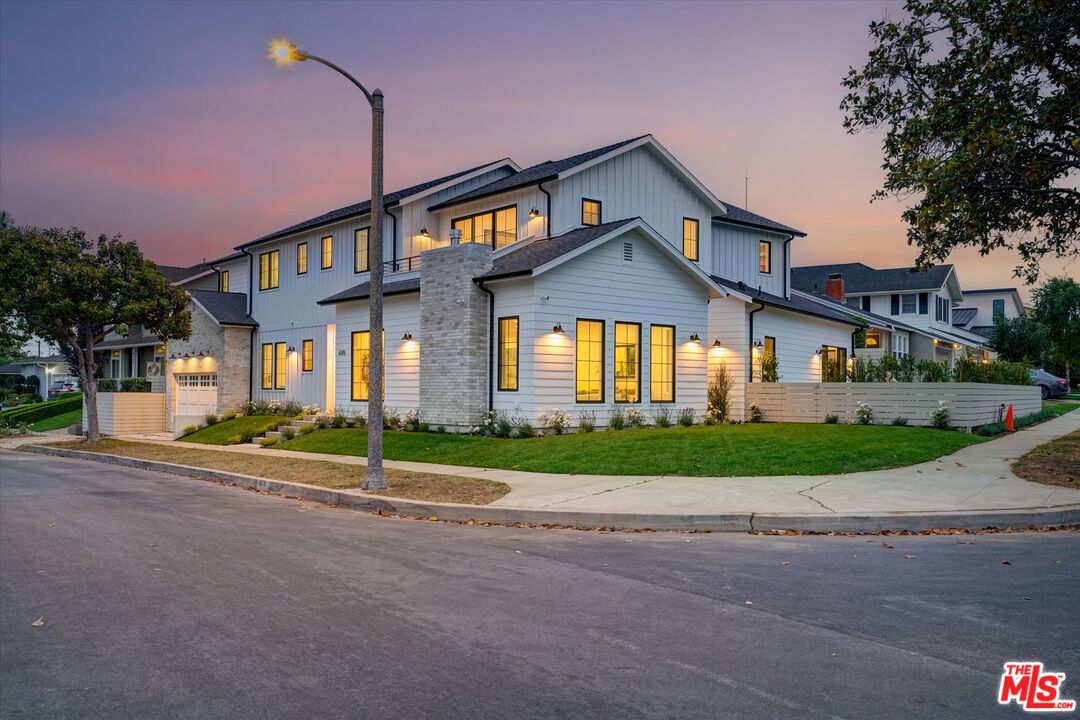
[(167, 597)]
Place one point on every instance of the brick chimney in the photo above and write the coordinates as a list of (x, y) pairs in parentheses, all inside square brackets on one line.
[(834, 287)]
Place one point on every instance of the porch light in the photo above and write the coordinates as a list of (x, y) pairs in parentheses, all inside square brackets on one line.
[(557, 329), (534, 213), (956, 346), (187, 354), (406, 337), (291, 348), (424, 232), (717, 343), (694, 337)]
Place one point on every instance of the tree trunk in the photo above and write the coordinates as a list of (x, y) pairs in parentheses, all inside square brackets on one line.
[(86, 377)]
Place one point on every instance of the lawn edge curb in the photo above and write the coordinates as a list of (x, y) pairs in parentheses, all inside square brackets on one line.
[(454, 512)]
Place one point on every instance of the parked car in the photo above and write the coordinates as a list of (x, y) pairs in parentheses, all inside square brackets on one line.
[(1050, 385)]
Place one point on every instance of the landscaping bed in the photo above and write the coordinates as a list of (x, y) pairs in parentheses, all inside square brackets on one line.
[(1055, 463), (704, 451), (233, 432), (403, 484)]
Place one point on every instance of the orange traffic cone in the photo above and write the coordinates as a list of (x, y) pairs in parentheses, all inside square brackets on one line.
[(1009, 420)]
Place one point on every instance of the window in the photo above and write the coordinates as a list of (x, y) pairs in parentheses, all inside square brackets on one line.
[(361, 350), (866, 303), (907, 303), (662, 363), (281, 365), (627, 362), (770, 346), (223, 281), (497, 228), (873, 339), (764, 256), (307, 356), (508, 353), (833, 363), (590, 212), (301, 258), (589, 373), (999, 308), (360, 250), (852, 301), (327, 252), (267, 366), (924, 303), (269, 265), (690, 238)]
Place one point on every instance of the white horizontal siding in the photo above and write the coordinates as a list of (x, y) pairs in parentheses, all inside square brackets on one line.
[(798, 337), (728, 324)]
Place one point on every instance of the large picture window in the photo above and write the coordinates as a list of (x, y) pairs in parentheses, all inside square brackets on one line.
[(281, 366), (833, 364), (301, 259), (690, 238), (360, 250), (327, 252), (508, 353), (267, 367), (307, 356), (589, 373), (590, 212), (269, 267), (361, 350), (497, 228), (627, 362), (662, 363)]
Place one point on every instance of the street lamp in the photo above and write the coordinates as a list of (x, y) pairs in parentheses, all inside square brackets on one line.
[(285, 53)]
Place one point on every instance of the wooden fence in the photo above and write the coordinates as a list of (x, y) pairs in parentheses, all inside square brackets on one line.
[(121, 413), (970, 404)]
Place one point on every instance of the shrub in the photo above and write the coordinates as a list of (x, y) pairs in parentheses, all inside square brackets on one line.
[(968, 369), (662, 418), (990, 429), (10, 427), (287, 433), (234, 440), (756, 415), (190, 429), (617, 420), (930, 371), (770, 366), (686, 417), (106, 385), (267, 442), (306, 430), (718, 396), (557, 421), (864, 413), (411, 421), (1035, 417), (291, 408), (228, 416), (210, 420), (322, 422), (586, 421), (135, 384), (425, 427), (359, 420), (247, 436), (899, 421), (905, 369), (489, 423), (310, 410), (940, 418), (524, 430), (503, 427), (392, 419), (340, 420), (440, 429), (832, 419), (635, 418)]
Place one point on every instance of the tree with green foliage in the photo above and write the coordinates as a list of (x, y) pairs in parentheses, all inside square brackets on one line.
[(1057, 310), (64, 288), (979, 100), (1019, 339)]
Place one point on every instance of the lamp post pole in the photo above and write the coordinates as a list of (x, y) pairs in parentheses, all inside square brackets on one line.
[(284, 53)]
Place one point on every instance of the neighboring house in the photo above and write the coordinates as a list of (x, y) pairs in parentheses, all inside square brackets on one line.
[(981, 307), (606, 278), (49, 370), (923, 302)]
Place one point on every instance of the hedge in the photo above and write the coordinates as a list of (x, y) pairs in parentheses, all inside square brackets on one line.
[(42, 411)]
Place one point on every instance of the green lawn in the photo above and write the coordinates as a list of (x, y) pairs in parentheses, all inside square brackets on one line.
[(1059, 407), (728, 450), (220, 433), (58, 421)]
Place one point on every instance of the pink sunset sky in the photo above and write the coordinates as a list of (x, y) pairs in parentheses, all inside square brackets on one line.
[(166, 123)]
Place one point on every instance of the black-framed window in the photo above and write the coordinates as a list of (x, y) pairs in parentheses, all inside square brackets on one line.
[(627, 362), (223, 281), (591, 212), (307, 356), (999, 308), (833, 363), (690, 242), (589, 362), (267, 367), (360, 250), (509, 353), (301, 258), (269, 270), (361, 351), (281, 365), (770, 345), (764, 262), (326, 252), (662, 363), (497, 228)]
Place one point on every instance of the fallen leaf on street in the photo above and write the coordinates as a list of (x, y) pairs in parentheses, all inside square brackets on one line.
[(1006, 562), (39, 622), (965, 542), (886, 545)]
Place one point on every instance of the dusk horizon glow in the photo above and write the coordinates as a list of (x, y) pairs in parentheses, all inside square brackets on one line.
[(166, 122)]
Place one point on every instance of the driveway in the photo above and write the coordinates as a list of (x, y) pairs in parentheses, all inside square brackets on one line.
[(165, 597)]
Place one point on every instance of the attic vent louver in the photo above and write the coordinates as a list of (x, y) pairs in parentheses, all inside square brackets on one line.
[(628, 252)]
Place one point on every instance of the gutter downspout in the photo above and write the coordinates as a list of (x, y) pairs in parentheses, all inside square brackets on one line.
[(759, 308), (787, 265), (547, 218), (393, 238), (491, 344)]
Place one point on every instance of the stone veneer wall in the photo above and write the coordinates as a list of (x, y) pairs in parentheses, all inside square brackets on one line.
[(454, 335)]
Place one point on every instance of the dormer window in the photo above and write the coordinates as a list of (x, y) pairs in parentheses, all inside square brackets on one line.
[(590, 212)]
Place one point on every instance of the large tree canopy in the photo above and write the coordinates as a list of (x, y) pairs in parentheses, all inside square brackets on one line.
[(1057, 310), (980, 100), (66, 289)]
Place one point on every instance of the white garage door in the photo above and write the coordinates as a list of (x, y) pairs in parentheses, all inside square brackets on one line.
[(196, 394)]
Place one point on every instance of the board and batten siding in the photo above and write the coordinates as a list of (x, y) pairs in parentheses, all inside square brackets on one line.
[(306, 388), (735, 257), (602, 285), (238, 275), (525, 199), (401, 314), (798, 337)]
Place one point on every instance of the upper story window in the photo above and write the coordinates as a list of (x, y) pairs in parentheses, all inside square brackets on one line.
[(866, 303), (764, 260), (269, 267), (690, 238), (590, 212), (327, 252), (497, 228), (999, 308), (307, 356), (360, 250), (907, 303), (223, 281), (301, 258)]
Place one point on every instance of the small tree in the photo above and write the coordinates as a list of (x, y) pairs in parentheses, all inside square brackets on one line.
[(1057, 309), (64, 288), (1019, 339), (770, 368), (718, 395)]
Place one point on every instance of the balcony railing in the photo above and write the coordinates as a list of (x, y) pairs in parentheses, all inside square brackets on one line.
[(406, 264)]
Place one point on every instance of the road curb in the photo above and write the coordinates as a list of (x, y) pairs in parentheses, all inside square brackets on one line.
[(733, 522)]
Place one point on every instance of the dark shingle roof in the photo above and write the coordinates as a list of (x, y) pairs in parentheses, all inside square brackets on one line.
[(363, 208), (795, 303), (962, 316), (985, 330), (525, 259), (859, 278), (363, 291), (738, 216), (176, 274), (225, 308), (533, 175)]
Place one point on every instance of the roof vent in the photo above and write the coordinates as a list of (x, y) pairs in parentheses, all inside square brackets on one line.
[(628, 252)]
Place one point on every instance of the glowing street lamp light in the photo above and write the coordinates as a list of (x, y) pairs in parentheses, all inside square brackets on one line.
[(284, 53)]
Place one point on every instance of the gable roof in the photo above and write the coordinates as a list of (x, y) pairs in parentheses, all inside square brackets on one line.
[(737, 216), (523, 260), (860, 278), (363, 208), (176, 274), (796, 303), (224, 308), (363, 291)]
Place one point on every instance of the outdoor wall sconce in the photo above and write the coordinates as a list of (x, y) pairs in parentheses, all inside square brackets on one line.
[(406, 337), (818, 352), (173, 356), (424, 232), (534, 213), (717, 343), (694, 337), (187, 354), (291, 348), (955, 346), (202, 353), (557, 329)]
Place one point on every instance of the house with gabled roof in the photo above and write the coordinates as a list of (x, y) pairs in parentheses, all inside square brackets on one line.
[(982, 307)]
